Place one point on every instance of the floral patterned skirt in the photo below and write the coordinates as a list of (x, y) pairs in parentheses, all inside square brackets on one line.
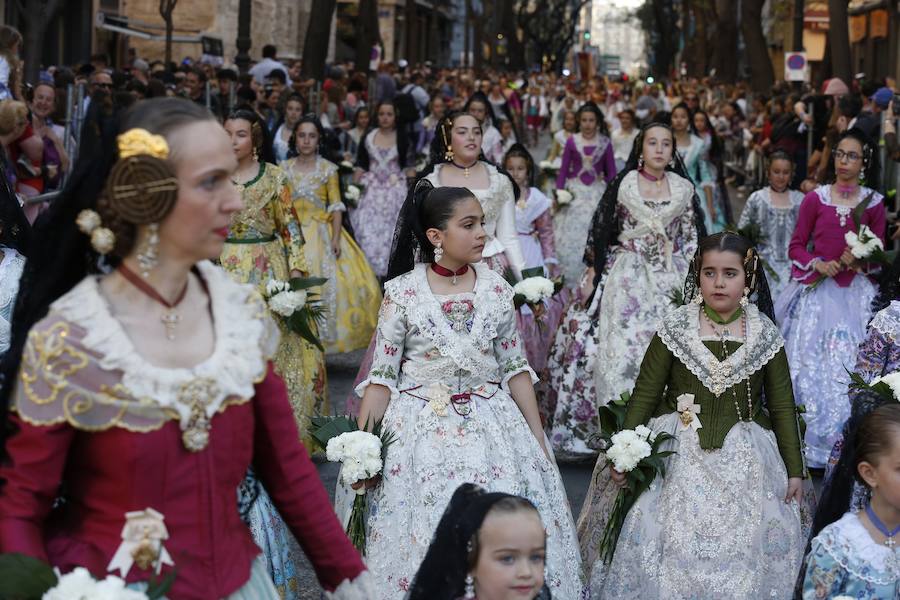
[(598, 351), (571, 224), (351, 296), (432, 456), (374, 219), (822, 328), (299, 363), (716, 527)]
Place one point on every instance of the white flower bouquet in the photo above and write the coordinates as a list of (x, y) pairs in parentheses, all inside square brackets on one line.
[(346, 166), (352, 194), (886, 386), (563, 197), (361, 455), (546, 165), (22, 576), (300, 308), (534, 288), (637, 453), (864, 243)]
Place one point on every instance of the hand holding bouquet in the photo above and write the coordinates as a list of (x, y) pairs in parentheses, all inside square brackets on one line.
[(361, 455), (353, 194), (865, 245), (301, 309), (563, 197), (637, 454)]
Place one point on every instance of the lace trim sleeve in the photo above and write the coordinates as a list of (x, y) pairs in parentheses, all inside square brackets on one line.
[(361, 588)]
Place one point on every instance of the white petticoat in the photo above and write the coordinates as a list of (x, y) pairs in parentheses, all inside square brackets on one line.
[(716, 527)]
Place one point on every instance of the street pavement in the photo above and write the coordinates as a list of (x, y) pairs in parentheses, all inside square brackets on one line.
[(342, 369)]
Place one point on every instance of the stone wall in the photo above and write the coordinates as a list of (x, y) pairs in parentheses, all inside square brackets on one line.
[(279, 22)]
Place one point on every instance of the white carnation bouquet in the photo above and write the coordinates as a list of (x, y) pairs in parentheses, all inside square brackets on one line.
[(353, 193), (886, 386), (563, 197), (863, 243), (635, 452), (534, 288), (300, 308), (361, 455), (22, 576), (547, 165)]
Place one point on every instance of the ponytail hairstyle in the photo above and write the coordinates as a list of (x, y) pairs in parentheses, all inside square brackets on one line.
[(517, 150), (259, 133), (126, 192), (591, 107), (426, 207)]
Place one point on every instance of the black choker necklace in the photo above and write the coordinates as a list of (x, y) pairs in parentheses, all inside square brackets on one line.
[(464, 169)]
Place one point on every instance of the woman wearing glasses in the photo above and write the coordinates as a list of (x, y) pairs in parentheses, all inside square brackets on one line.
[(823, 311)]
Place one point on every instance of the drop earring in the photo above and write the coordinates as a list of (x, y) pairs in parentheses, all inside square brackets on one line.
[(448, 155), (470, 587), (745, 300), (438, 252), (147, 256), (640, 162), (255, 154), (698, 299)]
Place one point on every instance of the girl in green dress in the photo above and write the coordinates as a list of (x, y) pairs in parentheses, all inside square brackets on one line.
[(725, 521)]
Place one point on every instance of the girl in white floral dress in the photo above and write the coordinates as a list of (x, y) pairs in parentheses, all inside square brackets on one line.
[(450, 380), (644, 233)]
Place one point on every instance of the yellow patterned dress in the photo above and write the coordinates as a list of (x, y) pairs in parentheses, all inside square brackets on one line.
[(265, 242), (352, 295)]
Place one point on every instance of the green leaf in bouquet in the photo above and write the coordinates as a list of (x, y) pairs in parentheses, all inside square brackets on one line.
[(24, 578), (533, 272), (518, 301), (861, 209), (159, 589), (676, 297), (304, 283), (324, 428), (302, 323)]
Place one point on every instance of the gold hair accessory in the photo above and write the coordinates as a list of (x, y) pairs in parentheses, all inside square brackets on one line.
[(137, 141), (103, 240)]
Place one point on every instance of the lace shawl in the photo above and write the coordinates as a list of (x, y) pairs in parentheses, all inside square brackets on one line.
[(887, 321), (848, 543), (680, 332), (471, 351), (79, 366)]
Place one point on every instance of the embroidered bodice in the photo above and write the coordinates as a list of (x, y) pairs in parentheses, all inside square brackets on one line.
[(775, 223), (845, 561), (466, 341), (316, 192), (269, 215), (656, 229), (498, 203), (80, 367), (824, 223), (678, 361), (384, 163), (586, 160)]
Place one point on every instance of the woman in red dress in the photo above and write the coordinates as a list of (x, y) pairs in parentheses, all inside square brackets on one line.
[(139, 397)]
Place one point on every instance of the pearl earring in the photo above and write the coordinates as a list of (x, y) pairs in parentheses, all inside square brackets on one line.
[(470, 587), (744, 299), (438, 252)]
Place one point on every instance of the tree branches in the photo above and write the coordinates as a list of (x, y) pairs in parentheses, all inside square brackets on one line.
[(549, 28)]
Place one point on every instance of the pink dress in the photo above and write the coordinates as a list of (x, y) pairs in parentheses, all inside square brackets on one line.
[(823, 322)]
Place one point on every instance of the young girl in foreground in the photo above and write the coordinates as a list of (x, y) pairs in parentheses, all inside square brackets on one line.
[(490, 546), (725, 519), (859, 555), (451, 382)]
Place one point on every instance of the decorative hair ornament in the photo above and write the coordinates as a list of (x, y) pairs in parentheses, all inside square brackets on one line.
[(103, 240), (140, 142)]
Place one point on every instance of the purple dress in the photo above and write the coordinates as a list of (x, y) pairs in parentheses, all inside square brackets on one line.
[(374, 219), (587, 166), (824, 323)]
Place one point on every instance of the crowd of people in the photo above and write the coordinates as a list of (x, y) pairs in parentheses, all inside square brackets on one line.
[(156, 404)]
